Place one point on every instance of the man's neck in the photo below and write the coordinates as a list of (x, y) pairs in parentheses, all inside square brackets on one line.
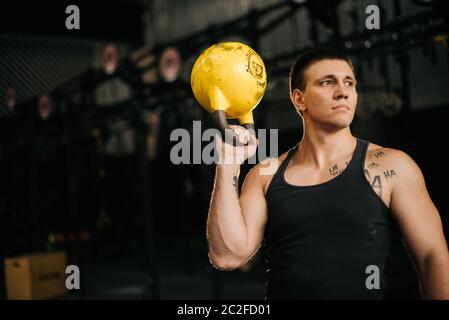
[(319, 148)]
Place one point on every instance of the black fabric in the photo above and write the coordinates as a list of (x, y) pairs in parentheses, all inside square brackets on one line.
[(320, 239)]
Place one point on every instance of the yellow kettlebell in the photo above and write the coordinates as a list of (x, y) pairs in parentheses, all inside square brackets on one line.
[(229, 79)]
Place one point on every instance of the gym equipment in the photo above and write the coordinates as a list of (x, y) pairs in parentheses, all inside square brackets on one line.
[(229, 80)]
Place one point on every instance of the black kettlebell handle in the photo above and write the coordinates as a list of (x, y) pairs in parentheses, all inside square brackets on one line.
[(227, 134)]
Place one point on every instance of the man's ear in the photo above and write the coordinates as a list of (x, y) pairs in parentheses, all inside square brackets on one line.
[(297, 98)]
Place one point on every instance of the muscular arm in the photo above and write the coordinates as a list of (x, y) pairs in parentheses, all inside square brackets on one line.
[(235, 226), (421, 227)]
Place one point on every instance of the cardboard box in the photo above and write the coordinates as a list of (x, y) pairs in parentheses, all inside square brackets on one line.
[(36, 276)]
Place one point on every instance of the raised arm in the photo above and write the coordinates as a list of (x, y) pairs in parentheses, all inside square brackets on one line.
[(235, 224), (421, 227)]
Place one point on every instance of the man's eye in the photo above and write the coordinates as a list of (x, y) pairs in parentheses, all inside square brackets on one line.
[(349, 83), (326, 82)]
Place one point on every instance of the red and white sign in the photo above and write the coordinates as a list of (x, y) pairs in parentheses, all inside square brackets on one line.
[(44, 107), (10, 98), (170, 64), (110, 59)]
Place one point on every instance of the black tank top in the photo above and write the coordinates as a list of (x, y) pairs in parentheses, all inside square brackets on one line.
[(326, 241)]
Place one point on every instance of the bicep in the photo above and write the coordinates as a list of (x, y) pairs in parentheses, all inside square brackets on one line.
[(416, 214), (254, 210)]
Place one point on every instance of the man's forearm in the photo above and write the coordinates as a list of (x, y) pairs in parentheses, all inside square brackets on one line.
[(225, 225), (435, 279)]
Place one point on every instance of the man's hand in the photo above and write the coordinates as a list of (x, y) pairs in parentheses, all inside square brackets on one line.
[(229, 154)]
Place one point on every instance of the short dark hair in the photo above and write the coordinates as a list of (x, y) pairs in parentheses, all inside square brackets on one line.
[(307, 58)]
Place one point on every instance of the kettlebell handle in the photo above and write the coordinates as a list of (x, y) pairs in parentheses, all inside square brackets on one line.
[(227, 134)]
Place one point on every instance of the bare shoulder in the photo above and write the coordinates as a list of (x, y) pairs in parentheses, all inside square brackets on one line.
[(266, 169), (389, 155), (272, 161), (393, 160), (388, 169)]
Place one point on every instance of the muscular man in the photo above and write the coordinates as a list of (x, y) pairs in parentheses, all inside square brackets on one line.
[(327, 211)]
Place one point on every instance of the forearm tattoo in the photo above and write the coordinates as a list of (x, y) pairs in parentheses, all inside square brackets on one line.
[(236, 184)]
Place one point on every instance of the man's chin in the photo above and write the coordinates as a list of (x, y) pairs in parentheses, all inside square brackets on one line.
[(336, 126)]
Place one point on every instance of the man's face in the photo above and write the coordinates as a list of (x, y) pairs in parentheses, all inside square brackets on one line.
[(329, 98)]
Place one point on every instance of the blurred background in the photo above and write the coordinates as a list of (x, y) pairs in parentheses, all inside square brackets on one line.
[(86, 116)]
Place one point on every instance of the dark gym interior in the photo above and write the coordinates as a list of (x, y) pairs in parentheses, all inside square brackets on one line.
[(85, 143)]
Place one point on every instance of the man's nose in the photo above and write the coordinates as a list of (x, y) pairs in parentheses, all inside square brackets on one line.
[(341, 92)]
